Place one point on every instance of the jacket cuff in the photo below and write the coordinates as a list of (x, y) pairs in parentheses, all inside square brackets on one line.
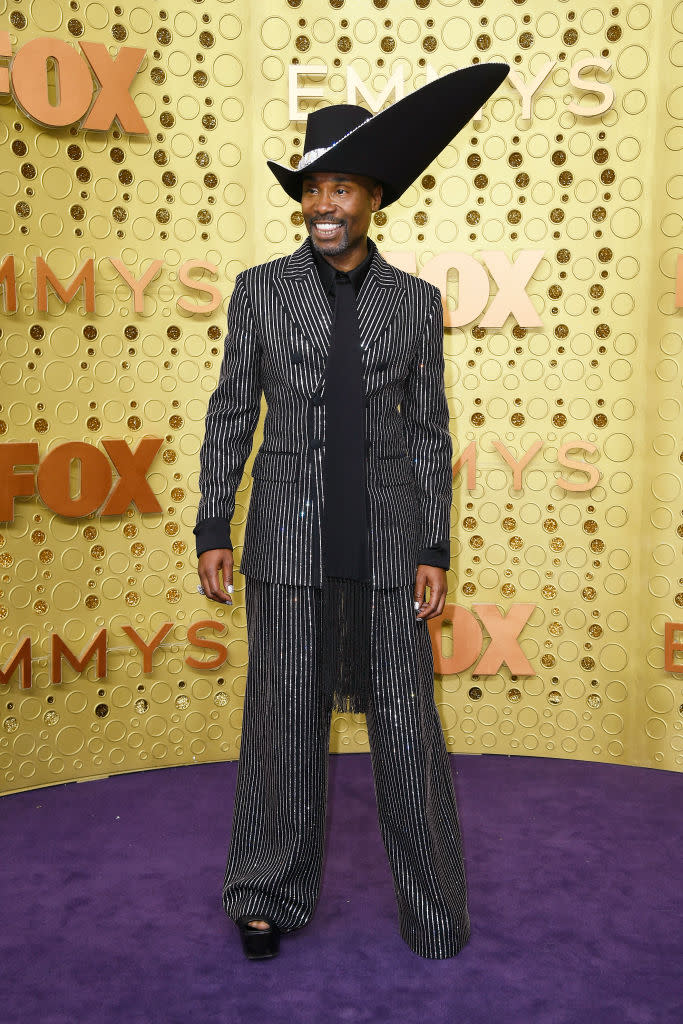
[(212, 533), (438, 555)]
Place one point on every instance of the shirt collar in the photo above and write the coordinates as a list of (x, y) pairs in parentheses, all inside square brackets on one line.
[(328, 273)]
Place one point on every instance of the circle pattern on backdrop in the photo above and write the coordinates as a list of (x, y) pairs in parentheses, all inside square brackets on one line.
[(198, 188)]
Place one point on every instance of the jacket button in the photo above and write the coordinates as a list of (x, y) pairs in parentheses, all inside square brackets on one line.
[(317, 400), (297, 357), (381, 367), (316, 442)]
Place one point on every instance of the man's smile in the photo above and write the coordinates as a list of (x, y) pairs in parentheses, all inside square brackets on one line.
[(326, 229)]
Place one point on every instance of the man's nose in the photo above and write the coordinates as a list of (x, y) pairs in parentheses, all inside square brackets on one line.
[(325, 203)]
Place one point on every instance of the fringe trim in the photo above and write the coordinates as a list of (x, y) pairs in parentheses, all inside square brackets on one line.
[(346, 615)]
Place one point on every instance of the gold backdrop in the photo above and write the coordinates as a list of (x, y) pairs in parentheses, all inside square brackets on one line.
[(98, 560)]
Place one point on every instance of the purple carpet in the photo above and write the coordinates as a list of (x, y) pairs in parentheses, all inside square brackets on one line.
[(111, 905)]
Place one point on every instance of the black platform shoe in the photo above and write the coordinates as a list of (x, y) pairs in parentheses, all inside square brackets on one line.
[(259, 943)]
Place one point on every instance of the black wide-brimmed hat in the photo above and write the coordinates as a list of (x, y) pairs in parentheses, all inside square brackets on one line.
[(397, 144)]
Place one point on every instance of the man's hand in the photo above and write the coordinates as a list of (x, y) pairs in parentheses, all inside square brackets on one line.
[(434, 578), (210, 562)]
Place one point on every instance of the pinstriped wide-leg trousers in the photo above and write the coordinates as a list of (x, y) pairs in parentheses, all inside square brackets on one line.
[(277, 843)]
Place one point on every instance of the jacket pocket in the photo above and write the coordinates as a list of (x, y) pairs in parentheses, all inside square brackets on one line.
[(391, 471), (277, 465)]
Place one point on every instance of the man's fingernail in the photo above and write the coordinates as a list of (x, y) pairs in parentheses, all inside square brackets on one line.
[(416, 605), (230, 588)]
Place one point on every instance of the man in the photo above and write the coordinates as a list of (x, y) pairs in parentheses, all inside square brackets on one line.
[(348, 526)]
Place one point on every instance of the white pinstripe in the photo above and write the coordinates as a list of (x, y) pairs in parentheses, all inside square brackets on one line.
[(276, 849), (277, 343)]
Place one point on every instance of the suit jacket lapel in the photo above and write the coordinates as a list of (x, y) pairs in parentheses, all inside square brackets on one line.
[(304, 298), (379, 300), (302, 294)]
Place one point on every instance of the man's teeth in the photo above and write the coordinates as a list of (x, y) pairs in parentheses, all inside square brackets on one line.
[(326, 229)]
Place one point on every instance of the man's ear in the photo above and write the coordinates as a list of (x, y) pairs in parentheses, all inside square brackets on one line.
[(377, 196)]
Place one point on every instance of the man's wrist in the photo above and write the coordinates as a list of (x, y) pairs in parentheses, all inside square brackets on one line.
[(212, 533), (438, 555)]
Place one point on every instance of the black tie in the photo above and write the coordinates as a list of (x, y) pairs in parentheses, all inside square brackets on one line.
[(346, 604)]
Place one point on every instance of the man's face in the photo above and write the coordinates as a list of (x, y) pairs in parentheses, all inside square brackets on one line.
[(337, 209)]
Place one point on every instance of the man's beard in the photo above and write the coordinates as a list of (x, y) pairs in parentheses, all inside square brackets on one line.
[(341, 246)]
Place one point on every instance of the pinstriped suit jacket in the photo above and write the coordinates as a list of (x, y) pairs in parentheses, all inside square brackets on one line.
[(279, 328)]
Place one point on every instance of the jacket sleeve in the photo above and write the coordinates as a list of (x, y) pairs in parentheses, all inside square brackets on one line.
[(425, 411), (231, 417)]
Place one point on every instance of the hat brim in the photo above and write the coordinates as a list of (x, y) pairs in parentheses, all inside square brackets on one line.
[(397, 144)]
